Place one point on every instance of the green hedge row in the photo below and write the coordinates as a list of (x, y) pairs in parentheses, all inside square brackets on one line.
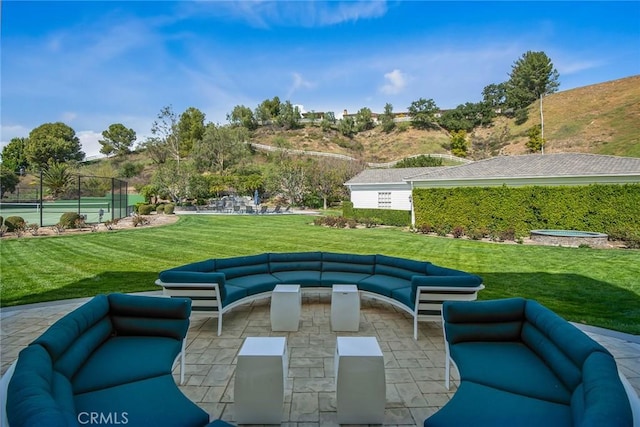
[(610, 209), (384, 216)]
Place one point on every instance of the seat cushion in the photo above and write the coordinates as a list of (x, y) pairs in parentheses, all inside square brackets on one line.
[(509, 366), (478, 405), (255, 283), (405, 295), (125, 359), (151, 402), (233, 294), (329, 278), (304, 278), (382, 284)]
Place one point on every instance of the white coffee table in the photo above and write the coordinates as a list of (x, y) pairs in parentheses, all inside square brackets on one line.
[(286, 302), (259, 382), (345, 308), (360, 381)]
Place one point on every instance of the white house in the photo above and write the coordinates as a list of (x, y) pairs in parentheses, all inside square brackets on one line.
[(391, 188)]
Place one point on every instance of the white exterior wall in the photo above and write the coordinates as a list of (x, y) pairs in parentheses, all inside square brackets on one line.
[(366, 196)]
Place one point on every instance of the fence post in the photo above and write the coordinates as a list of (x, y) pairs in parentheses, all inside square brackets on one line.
[(113, 199), (79, 194), (41, 206)]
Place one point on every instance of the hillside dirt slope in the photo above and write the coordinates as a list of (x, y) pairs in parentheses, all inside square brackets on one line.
[(601, 119)]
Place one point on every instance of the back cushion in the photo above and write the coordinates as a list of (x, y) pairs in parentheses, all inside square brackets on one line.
[(243, 266), (399, 267), (349, 263), (497, 320), (37, 395), (150, 316), (295, 261), (200, 267), (72, 338), (558, 342)]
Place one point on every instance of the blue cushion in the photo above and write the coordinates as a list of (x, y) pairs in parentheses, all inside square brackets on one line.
[(151, 402), (418, 267), (295, 257), (255, 283), (241, 261), (200, 266), (329, 278), (126, 359), (304, 278), (601, 399), (481, 406), (348, 262), (79, 350), (233, 293), (509, 366), (347, 267), (383, 285), (37, 396), (405, 295), (244, 270), (176, 276), (66, 331), (276, 267)]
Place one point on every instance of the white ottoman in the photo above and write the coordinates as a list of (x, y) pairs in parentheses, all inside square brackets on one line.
[(259, 383), (360, 381), (286, 301), (345, 308)]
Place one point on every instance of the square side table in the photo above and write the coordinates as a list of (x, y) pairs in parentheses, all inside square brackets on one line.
[(360, 381), (286, 301), (259, 380), (345, 308)]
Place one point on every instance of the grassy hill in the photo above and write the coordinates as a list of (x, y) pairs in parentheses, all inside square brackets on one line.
[(602, 119)]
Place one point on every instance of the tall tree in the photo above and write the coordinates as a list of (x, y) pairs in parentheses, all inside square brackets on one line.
[(532, 78), (459, 143), (423, 113), (117, 139), (268, 110), (165, 131), (289, 116), (495, 96), (13, 155), (242, 116), (220, 148), (190, 129), (9, 180), (52, 142), (386, 118), (364, 119)]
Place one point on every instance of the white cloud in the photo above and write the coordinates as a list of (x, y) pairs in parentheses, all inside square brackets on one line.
[(574, 67), (89, 141), (299, 83), (396, 82), (69, 116)]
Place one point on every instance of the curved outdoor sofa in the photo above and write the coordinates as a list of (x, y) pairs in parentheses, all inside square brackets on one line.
[(520, 364), (218, 285), (107, 362)]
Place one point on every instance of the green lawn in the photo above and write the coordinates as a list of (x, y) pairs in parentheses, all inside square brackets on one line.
[(595, 286)]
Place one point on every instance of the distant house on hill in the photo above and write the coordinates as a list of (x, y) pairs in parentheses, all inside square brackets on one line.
[(391, 188)]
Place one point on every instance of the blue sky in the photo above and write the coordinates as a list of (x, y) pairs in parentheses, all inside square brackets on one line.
[(90, 64)]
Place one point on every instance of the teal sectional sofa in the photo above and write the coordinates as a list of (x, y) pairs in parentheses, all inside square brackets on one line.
[(522, 365), (417, 287), (108, 362)]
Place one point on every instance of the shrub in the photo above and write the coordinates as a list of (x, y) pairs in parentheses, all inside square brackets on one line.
[(33, 228), (508, 234), (14, 223), (69, 219), (160, 209), (330, 221), (457, 232), (341, 222), (425, 228), (319, 220), (352, 223), (111, 224), (477, 233), (58, 228), (145, 209), (139, 220), (169, 208), (3, 230)]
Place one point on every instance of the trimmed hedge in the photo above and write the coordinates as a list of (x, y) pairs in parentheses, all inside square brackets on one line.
[(68, 219), (146, 209), (385, 216), (14, 222), (610, 209)]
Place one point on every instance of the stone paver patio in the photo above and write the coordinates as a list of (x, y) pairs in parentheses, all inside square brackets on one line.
[(414, 369)]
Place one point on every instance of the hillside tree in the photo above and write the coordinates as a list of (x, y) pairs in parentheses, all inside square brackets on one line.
[(532, 77), (13, 155), (423, 113), (190, 129), (386, 118), (289, 116), (57, 178), (364, 119), (117, 139), (165, 132), (268, 110), (52, 143), (220, 148), (9, 181), (459, 143), (242, 116)]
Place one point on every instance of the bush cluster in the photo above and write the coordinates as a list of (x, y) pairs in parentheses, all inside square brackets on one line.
[(393, 217), (70, 220), (14, 223), (508, 213), (344, 222)]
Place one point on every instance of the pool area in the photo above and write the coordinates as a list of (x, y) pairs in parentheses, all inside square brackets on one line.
[(569, 238)]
